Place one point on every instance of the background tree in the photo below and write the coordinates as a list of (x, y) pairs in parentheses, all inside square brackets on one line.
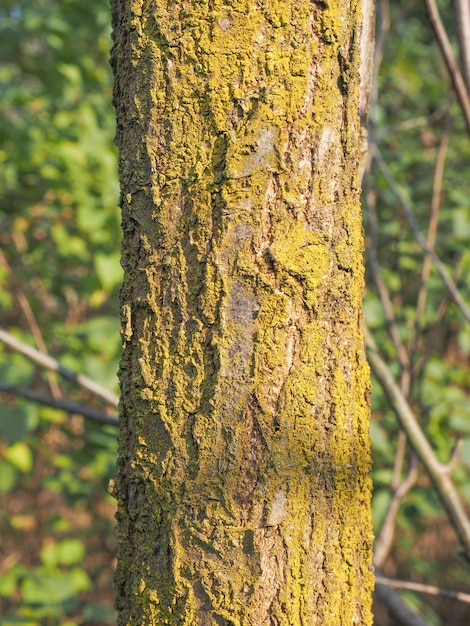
[(59, 278), (416, 199)]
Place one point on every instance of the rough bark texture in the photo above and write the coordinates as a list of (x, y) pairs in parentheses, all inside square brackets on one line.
[(242, 481)]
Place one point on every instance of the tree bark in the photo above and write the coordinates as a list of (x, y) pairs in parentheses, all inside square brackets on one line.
[(242, 484)]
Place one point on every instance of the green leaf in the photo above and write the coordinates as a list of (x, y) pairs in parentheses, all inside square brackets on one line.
[(65, 552), (464, 339), (460, 424), (70, 72), (20, 455), (9, 477), (380, 502), (8, 583), (373, 312), (381, 442), (382, 476), (50, 588), (17, 421), (99, 613), (108, 269)]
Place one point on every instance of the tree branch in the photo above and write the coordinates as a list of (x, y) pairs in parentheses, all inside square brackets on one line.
[(31, 320), (437, 471), (384, 538), (48, 362), (382, 289), (462, 9), (449, 283), (420, 588), (435, 205), (452, 66), (60, 403), (397, 607)]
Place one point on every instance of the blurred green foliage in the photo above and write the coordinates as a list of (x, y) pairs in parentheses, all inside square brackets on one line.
[(60, 272), (415, 112), (59, 277)]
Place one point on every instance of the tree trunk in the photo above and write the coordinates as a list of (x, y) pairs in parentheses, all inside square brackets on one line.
[(242, 482)]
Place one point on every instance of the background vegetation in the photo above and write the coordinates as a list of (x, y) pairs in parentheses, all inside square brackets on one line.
[(59, 280)]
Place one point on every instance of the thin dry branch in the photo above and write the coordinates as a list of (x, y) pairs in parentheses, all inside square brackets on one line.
[(384, 539), (48, 362), (397, 607), (432, 331), (411, 123), (61, 403), (438, 472), (31, 320), (452, 66), (447, 280), (384, 294), (420, 588), (382, 29), (462, 8), (433, 218)]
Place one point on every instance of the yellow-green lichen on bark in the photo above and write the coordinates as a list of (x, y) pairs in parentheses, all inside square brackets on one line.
[(242, 479)]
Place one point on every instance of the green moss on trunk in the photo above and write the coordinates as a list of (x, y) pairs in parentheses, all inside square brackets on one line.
[(242, 481)]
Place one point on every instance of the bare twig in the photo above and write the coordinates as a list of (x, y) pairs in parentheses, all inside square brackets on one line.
[(437, 471), (383, 27), (411, 123), (452, 66), (61, 403), (462, 8), (376, 275), (397, 607), (420, 588), (399, 460), (384, 539), (48, 362), (447, 280), (456, 454), (432, 331), (434, 217), (31, 320)]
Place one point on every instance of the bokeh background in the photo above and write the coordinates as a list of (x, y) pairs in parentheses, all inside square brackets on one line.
[(59, 283)]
